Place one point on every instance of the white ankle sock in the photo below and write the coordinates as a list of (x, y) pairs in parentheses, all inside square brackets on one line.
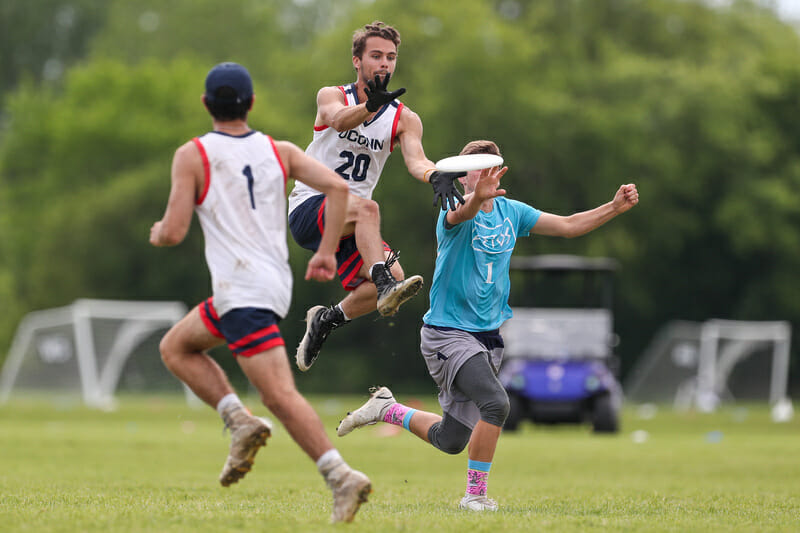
[(227, 401), (340, 308), (328, 461)]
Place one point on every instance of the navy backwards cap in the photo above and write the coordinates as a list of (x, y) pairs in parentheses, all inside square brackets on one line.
[(230, 75)]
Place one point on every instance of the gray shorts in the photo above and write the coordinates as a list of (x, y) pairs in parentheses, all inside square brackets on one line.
[(445, 351)]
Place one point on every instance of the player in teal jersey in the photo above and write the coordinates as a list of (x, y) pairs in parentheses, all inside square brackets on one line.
[(460, 337)]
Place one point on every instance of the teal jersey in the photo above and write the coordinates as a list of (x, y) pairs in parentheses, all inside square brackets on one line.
[(470, 282)]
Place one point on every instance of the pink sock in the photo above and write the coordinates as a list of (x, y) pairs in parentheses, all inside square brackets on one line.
[(477, 482), (396, 414)]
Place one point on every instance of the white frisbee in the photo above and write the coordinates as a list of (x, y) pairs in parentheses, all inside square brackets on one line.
[(465, 163)]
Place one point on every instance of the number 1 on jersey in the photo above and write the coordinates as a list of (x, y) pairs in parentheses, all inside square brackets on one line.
[(248, 173)]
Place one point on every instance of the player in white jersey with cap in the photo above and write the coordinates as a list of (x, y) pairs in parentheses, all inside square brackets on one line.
[(234, 178), (356, 128)]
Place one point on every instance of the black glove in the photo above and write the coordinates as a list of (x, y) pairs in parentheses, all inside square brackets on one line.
[(444, 188), (377, 95)]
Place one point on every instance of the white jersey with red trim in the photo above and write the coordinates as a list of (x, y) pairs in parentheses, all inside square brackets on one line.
[(357, 155), (242, 211)]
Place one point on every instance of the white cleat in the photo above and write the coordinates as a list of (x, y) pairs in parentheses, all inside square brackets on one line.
[(246, 439), (350, 490), (473, 502), (393, 296), (370, 413)]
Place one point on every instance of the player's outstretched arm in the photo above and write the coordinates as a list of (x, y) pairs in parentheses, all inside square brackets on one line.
[(409, 133), (626, 197), (187, 173), (322, 265)]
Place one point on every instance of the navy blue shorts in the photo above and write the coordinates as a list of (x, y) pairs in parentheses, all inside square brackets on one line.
[(306, 223), (248, 330)]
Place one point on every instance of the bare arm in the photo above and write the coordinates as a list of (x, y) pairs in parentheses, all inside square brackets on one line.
[(187, 176), (409, 133), (486, 188), (332, 111), (581, 223), (322, 266)]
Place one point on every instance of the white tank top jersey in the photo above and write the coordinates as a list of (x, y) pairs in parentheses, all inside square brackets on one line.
[(357, 155), (242, 211)]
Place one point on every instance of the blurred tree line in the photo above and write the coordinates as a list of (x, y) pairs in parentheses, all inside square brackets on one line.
[(696, 105)]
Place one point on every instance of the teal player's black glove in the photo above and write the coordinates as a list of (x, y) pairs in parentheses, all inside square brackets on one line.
[(444, 189), (378, 95)]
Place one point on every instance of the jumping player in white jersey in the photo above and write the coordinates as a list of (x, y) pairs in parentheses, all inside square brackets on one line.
[(234, 178), (356, 128), (460, 337)]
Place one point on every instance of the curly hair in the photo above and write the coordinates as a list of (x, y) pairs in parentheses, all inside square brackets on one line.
[(376, 29)]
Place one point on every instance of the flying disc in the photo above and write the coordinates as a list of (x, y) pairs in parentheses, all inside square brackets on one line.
[(465, 163)]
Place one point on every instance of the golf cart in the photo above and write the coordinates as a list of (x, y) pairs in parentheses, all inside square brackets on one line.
[(559, 364)]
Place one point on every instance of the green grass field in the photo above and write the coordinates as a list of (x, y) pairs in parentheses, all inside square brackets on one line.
[(152, 465)]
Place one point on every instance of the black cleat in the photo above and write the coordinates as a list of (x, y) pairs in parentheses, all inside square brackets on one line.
[(392, 293), (320, 321)]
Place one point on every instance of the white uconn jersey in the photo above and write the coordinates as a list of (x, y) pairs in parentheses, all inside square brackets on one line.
[(357, 155), (242, 211)]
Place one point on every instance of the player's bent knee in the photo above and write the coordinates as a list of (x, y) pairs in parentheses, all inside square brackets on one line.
[(168, 353), (453, 447), (451, 438), (495, 408), (495, 413), (477, 379), (368, 210)]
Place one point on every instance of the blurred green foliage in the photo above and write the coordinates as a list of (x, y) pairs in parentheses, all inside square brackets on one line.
[(698, 106)]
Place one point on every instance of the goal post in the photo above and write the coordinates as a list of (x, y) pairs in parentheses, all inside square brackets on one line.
[(716, 362), (84, 347), (700, 364)]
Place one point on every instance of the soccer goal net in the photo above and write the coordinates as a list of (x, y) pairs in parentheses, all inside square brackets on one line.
[(92, 348), (693, 364)]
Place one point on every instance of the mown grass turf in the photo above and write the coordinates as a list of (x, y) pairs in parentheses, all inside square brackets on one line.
[(152, 465)]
